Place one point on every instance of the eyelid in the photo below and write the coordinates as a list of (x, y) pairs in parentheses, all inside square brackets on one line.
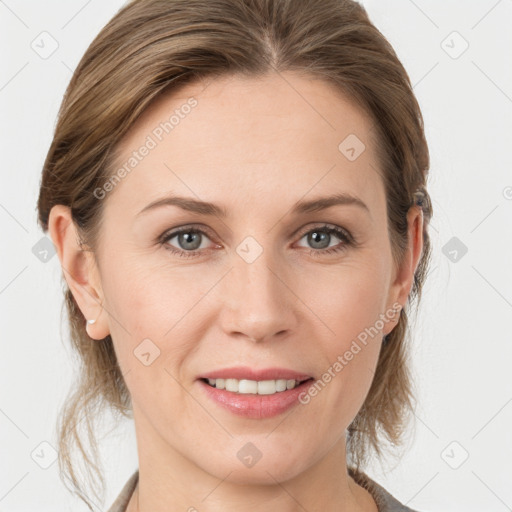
[(170, 233), (345, 237), (323, 225)]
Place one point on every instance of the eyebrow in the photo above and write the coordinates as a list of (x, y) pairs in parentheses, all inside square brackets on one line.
[(301, 207)]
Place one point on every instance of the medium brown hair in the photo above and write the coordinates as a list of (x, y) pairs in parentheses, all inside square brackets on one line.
[(154, 45)]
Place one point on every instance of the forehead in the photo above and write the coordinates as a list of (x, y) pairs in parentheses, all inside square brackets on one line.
[(248, 139)]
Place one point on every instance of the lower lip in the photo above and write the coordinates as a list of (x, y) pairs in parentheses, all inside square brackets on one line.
[(256, 406)]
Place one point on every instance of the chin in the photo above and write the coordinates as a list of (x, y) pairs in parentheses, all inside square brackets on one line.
[(261, 474), (250, 466)]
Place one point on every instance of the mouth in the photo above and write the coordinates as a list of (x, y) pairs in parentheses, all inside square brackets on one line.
[(246, 380), (255, 387), (265, 394)]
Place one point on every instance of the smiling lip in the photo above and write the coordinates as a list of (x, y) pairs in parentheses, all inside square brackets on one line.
[(245, 372), (251, 405)]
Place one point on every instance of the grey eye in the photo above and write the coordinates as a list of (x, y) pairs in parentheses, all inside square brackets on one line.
[(319, 239), (188, 240)]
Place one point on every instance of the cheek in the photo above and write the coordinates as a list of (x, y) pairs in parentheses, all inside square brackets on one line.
[(350, 302), (348, 298), (148, 297), (148, 316), (147, 302)]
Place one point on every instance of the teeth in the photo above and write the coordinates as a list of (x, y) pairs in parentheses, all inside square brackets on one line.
[(261, 387)]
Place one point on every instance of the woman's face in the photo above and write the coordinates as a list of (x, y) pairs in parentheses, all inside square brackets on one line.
[(261, 283)]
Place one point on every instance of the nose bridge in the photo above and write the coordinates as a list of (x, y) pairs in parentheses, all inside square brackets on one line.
[(257, 303)]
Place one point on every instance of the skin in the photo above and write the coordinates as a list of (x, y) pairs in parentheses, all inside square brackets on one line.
[(256, 147)]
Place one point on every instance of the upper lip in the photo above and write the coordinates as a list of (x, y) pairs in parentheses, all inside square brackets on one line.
[(245, 372)]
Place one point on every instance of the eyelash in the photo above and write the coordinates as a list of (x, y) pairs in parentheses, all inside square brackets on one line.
[(347, 239)]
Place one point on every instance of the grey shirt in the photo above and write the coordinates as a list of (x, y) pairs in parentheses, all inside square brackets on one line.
[(385, 501)]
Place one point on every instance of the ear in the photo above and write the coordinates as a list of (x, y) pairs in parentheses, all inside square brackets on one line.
[(404, 278), (79, 269)]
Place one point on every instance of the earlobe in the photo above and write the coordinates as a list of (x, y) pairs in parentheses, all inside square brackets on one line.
[(78, 269)]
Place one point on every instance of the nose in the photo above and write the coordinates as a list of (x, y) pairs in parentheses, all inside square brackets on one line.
[(256, 300)]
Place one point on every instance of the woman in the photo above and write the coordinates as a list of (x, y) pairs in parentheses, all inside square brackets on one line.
[(237, 194)]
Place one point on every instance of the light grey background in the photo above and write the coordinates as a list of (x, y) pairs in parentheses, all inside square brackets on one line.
[(462, 350)]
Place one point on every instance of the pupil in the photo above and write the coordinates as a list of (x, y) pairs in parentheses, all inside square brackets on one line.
[(317, 237), (189, 240)]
